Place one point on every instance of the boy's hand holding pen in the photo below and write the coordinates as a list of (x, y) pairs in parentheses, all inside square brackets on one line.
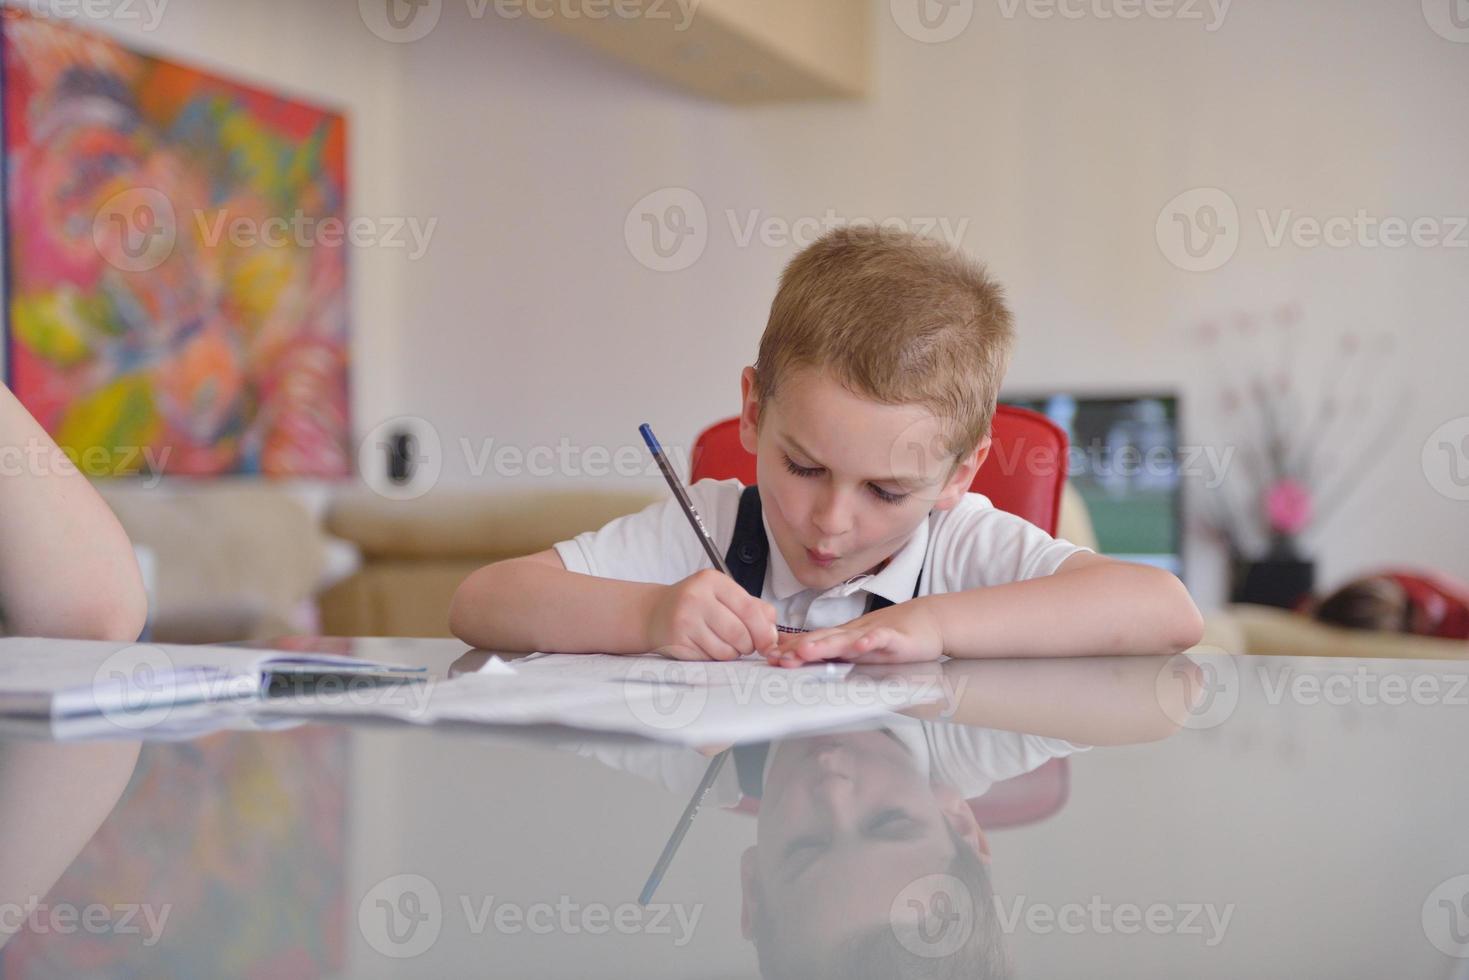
[(707, 616)]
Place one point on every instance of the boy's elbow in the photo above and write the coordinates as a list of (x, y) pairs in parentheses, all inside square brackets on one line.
[(116, 615), (463, 608), (1185, 622), (120, 618), (1191, 629), (458, 613)]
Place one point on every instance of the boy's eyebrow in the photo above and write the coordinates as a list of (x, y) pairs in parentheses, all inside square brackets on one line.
[(896, 478)]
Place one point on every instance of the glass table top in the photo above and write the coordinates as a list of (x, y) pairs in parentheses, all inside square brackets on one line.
[(1109, 817)]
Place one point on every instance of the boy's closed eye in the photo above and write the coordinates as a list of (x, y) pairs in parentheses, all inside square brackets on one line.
[(886, 496), (888, 824)]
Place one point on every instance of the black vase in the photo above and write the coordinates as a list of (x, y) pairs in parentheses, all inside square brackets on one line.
[(1281, 579)]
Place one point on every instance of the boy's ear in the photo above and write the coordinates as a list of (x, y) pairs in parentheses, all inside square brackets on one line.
[(961, 820), (958, 483), (749, 411)]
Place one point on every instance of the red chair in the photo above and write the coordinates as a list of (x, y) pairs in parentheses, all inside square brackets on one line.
[(1024, 475)]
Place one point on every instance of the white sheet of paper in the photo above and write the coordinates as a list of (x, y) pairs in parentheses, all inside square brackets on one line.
[(754, 706), (653, 668)]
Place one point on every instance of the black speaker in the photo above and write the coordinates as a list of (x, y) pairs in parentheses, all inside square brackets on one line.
[(402, 456)]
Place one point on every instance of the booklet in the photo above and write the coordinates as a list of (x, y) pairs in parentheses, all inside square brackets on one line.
[(67, 678)]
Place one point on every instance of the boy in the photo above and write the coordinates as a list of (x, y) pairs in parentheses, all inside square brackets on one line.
[(868, 411)]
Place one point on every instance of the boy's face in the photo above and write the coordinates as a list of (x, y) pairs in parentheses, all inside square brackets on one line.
[(844, 481), (846, 822)]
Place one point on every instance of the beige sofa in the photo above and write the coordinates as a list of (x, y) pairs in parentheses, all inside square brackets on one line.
[(415, 553), (226, 560)]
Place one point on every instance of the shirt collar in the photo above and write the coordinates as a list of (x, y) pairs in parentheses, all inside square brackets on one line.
[(895, 582)]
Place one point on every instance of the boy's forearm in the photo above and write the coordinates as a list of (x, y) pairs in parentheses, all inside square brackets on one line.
[(1107, 609), (521, 606)]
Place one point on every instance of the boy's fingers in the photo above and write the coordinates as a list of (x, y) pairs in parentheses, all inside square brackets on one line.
[(759, 633), (720, 639), (678, 652), (826, 647)]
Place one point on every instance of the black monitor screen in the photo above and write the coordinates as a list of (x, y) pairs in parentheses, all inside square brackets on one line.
[(1124, 463)]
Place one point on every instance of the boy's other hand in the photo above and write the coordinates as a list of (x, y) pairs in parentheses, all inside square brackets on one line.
[(904, 633), (709, 616)]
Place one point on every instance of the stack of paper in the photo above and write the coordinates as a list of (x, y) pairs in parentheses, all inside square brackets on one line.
[(699, 704)]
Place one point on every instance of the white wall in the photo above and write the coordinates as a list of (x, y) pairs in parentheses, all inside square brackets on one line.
[(1058, 141)]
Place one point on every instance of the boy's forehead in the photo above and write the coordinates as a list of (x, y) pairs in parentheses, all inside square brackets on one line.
[(893, 442)]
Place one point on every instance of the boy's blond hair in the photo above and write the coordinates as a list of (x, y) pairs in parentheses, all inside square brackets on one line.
[(898, 319)]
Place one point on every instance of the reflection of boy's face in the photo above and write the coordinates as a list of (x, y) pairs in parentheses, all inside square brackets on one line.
[(865, 474), (846, 823)]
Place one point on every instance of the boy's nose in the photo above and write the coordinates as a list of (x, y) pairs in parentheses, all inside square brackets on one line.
[(832, 516)]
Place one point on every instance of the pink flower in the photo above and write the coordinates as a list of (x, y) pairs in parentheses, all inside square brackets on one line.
[(1288, 506)]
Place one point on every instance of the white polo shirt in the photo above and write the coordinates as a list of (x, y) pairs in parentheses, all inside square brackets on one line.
[(969, 546)]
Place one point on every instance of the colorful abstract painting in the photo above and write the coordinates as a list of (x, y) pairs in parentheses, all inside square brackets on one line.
[(176, 275)]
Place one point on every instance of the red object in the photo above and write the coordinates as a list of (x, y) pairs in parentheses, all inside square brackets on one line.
[(1440, 603), (1024, 475)]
